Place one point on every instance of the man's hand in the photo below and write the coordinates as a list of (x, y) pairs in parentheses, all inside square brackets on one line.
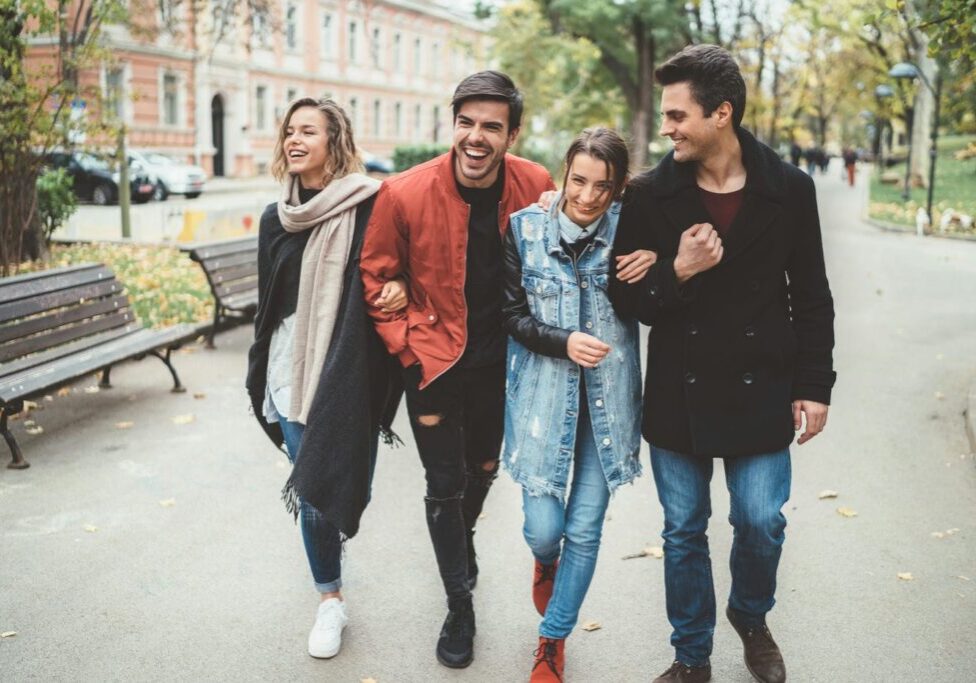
[(700, 248), (633, 267), (545, 199), (816, 414), (393, 297), (586, 350)]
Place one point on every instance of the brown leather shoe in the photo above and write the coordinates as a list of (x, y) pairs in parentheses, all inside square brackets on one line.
[(543, 579), (682, 673), (760, 651)]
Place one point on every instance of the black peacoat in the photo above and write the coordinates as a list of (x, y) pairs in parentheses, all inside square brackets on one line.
[(731, 348)]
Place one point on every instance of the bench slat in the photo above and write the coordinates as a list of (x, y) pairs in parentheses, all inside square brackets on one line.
[(235, 273), (84, 361), (215, 265), (40, 343), (47, 356), (235, 287), (24, 287), (26, 307), (201, 252), (240, 302), (65, 316)]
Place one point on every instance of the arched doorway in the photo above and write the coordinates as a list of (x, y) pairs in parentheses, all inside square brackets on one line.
[(217, 128)]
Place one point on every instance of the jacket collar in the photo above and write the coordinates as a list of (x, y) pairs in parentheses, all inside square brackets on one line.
[(551, 236)]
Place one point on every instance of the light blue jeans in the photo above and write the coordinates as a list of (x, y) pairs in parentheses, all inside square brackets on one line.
[(759, 486), (577, 526), (323, 543)]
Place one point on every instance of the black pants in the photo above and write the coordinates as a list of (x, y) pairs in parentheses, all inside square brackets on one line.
[(458, 422)]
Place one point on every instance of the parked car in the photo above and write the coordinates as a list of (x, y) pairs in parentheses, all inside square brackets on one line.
[(375, 164), (170, 176), (96, 180)]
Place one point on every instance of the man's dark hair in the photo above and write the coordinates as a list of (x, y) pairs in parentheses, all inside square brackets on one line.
[(712, 75), (490, 85)]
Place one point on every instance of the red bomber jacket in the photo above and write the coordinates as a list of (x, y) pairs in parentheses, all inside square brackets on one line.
[(419, 231)]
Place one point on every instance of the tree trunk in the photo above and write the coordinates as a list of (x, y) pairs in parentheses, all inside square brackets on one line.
[(642, 117)]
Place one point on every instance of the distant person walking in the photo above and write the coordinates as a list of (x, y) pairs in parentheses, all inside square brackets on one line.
[(795, 153), (850, 164), (573, 399), (319, 378)]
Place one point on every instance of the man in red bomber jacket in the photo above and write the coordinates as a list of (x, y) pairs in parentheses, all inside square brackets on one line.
[(439, 228)]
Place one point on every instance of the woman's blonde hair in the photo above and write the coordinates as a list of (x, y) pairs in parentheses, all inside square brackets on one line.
[(341, 156)]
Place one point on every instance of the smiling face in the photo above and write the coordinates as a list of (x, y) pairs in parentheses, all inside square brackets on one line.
[(589, 189), (481, 138), (306, 146), (694, 135)]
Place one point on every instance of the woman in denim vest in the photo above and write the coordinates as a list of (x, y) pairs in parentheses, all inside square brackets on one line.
[(574, 387)]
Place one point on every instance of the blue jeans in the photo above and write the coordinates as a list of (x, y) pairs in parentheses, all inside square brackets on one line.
[(759, 486), (577, 525), (323, 544)]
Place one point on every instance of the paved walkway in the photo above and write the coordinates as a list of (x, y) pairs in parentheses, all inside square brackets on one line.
[(160, 551)]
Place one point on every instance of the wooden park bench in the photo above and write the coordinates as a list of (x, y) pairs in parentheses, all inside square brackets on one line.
[(61, 324), (231, 267)]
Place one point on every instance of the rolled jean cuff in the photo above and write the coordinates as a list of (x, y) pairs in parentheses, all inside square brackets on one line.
[(549, 633), (330, 587)]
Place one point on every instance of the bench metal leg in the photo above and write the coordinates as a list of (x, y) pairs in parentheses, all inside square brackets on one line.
[(178, 388), (18, 462), (106, 382), (213, 330)]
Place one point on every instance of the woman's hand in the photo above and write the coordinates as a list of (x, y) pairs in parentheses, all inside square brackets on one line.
[(633, 267), (545, 199), (586, 350), (393, 297)]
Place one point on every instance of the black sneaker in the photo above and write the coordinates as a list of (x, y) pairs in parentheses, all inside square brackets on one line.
[(455, 647), (472, 562), (679, 672)]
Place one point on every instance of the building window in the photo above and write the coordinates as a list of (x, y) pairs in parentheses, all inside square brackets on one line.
[(327, 35), (435, 59), (260, 107), (260, 30), (291, 95), (115, 92), (171, 96), (417, 128), (398, 52), (354, 113), (416, 56), (291, 27), (377, 123), (437, 124), (374, 49), (352, 41), (398, 119)]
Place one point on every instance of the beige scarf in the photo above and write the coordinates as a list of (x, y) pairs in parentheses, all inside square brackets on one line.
[(331, 215)]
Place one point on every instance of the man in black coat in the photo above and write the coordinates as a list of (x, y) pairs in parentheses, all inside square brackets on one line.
[(739, 352)]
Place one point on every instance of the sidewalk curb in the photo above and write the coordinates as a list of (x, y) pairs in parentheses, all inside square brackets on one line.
[(909, 230), (970, 417)]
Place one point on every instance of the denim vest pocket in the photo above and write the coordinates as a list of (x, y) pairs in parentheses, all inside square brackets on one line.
[(543, 297)]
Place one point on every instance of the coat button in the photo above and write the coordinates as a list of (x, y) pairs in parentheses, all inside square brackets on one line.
[(584, 284), (692, 330), (589, 325), (754, 285), (431, 318), (652, 290), (748, 378), (538, 289), (599, 403), (750, 331), (606, 442), (689, 378)]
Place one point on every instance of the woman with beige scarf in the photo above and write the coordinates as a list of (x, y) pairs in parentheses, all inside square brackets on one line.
[(307, 241)]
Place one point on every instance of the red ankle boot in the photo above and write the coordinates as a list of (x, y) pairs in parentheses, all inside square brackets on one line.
[(542, 582), (550, 660)]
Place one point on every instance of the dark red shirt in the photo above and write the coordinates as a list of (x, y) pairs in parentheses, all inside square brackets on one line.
[(723, 208)]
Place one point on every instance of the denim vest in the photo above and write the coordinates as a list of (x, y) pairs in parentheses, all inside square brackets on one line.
[(542, 394)]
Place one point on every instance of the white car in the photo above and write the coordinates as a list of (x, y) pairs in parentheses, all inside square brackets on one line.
[(169, 175)]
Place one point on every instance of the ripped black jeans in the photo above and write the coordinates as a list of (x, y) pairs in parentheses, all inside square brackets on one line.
[(458, 422)]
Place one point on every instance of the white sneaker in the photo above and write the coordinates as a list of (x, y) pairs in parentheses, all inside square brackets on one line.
[(325, 639)]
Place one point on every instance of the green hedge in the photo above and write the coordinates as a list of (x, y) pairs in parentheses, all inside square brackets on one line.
[(410, 155)]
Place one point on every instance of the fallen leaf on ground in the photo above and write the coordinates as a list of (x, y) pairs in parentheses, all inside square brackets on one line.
[(30, 405), (592, 626), (91, 528), (49, 398), (64, 391), (367, 680), (654, 551), (124, 425), (36, 429), (93, 389), (482, 515), (939, 395), (964, 578), (8, 634), (950, 532), (906, 576), (168, 502), (199, 395), (846, 512), (938, 534), (184, 419), (827, 493)]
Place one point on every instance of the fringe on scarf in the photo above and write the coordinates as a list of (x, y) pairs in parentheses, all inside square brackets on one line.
[(390, 438), (290, 497)]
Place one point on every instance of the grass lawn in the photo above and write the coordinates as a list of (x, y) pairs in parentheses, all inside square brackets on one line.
[(164, 286), (955, 188)]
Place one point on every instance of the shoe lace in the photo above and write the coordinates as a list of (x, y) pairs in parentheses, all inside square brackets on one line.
[(678, 667), (546, 654), (547, 573)]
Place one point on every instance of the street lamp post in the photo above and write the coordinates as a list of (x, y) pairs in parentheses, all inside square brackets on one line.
[(909, 70), (881, 92)]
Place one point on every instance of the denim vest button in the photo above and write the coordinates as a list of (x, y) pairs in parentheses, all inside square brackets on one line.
[(589, 325), (606, 442), (690, 377), (584, 284), (599, 403), (538, 289), (748, 378)]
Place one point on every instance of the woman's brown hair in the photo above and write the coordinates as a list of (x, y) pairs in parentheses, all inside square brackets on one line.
[(341, 156), (606, 145)]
